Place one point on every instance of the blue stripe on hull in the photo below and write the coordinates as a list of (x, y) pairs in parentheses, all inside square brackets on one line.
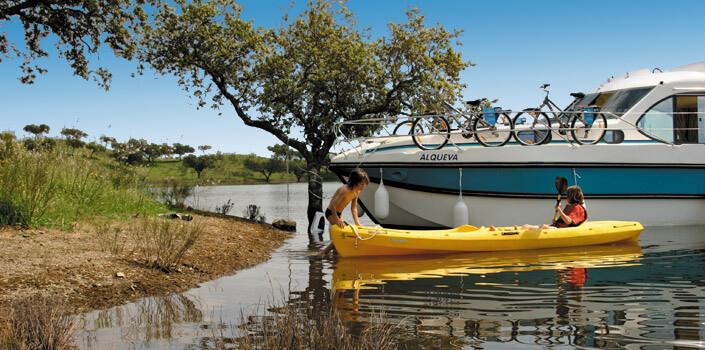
[(540, 180)]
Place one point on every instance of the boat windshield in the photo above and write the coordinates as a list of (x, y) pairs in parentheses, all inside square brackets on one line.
[(616, 102)]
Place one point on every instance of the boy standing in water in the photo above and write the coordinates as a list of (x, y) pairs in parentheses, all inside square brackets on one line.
[(346, 194)]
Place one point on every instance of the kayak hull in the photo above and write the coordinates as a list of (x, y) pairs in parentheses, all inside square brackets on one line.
[(377, 241)]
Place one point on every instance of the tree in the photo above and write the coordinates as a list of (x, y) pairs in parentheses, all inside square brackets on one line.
[(107, 140), (131, 152), (95, 147), (73, 137), (204, 148), (180, 149), (198, 163), (80, 28), (297, 165), (264, 166), (37, 130), (153, 151), (312, 73)]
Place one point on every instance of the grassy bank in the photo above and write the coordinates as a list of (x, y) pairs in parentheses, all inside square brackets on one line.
[(60, 186), (230, 170)]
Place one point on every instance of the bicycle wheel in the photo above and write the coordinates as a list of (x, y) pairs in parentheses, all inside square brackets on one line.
[(588, 131), (531, 129), (430, 133), (402, 127), (493, 135)]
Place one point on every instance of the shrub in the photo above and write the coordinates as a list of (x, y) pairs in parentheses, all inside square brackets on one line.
[(174, 194), (162, 243), (253, 212), (39, 323)]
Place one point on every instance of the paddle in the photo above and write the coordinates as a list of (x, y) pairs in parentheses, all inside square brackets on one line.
[(561, 186)]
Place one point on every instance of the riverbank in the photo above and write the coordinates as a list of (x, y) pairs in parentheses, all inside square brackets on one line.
[(78, 268)]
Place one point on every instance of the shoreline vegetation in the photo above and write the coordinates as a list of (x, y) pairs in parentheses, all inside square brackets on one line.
[(80, 230)]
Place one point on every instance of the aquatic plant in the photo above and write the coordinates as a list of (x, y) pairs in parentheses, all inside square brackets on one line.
[(225, 208), (253, 212)]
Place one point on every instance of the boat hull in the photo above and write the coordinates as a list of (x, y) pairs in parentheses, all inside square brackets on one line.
[(377, 241), (417, 209)]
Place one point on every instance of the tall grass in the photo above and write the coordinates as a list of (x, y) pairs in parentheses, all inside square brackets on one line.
[(38, 323), (162, 243), (58, 186)]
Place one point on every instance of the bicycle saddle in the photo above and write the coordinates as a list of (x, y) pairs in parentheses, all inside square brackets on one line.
[(474, 103), (545, 86), (577, 94), (532, 109)]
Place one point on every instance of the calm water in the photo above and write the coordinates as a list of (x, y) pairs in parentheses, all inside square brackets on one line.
[(649, 295)]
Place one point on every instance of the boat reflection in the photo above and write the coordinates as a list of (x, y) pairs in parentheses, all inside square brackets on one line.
[(370, 273)]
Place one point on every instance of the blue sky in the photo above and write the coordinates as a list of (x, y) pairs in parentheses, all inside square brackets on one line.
[(516, 46)]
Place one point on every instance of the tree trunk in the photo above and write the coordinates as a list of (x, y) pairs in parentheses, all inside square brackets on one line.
[(315, 193)]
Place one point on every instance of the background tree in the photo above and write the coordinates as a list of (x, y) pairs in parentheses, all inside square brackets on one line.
[(264, 166), (37, 130), (95, 147), (312, 73), (79, 28), (204, 148), (107, 140), (198, 163), (74, 137), (131, 152), (180, 150), (152, 152), (297, 165)]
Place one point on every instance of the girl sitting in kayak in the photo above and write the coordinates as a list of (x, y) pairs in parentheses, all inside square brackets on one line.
[(572, 215)]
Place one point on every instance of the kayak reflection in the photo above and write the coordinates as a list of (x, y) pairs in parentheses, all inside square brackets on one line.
[(370, 273)]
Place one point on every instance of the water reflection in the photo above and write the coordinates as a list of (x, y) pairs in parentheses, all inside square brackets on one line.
[(600, 296), (145, 321)]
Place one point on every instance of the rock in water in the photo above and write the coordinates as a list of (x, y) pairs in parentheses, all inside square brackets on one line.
[(285, 225)]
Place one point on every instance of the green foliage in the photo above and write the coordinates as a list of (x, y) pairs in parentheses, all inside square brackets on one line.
[(56, 187), (37, 130), (79, 30), (264, 166), (199, 163), (73, 137), (181, 150), (204, 148)]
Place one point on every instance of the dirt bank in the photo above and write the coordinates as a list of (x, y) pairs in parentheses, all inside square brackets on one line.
[(77, 267)]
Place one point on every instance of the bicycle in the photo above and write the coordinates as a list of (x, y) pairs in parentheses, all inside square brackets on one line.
[(491, 126), (533, 126)]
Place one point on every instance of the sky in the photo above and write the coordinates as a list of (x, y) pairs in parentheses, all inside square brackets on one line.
[(516, 45)]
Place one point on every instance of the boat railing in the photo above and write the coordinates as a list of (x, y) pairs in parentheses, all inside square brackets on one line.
[(508, 124)]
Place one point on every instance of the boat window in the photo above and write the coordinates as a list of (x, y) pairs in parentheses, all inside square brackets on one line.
[(623, 100), (685, 121), (657, 122)]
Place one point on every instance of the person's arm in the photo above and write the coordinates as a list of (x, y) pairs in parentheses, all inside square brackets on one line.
[(334, 218), (566, 219), (353, 209)]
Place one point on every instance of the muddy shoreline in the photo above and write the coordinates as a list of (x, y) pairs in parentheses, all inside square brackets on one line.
[(76, 267)]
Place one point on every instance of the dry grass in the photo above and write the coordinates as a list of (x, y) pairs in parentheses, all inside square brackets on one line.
[(38, 323), (162, 243)]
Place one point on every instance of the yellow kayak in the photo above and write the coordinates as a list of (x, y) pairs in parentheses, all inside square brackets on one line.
[(371, 241)]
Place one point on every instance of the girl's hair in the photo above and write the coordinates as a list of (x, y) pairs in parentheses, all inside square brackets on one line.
[(575, 195), (358, 176)]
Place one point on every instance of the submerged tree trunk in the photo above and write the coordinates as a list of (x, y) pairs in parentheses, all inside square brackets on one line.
[(315, 194)]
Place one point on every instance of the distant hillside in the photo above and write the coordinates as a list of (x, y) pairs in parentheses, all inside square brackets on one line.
[(228, 171)]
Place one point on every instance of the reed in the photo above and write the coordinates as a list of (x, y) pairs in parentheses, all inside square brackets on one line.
[(38, 323)]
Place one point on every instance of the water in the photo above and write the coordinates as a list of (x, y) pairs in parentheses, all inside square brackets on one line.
[(649, 295)]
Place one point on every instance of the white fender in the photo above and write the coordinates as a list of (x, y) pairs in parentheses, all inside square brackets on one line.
[(381, 201)]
